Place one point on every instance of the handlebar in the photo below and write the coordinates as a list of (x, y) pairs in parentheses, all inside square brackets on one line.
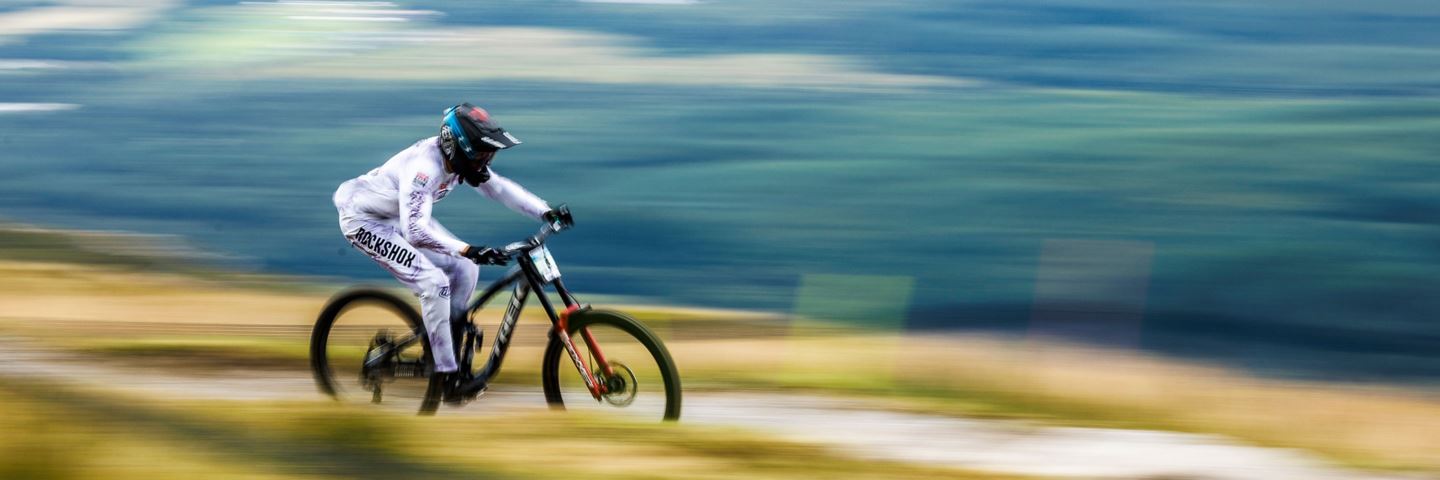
[(557, 220), (561, 223), (528, 244)]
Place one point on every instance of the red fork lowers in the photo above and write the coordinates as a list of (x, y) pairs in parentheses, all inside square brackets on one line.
[(595, 349), (596, 388)]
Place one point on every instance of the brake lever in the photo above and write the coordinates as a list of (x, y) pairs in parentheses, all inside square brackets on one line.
[(514, 248)]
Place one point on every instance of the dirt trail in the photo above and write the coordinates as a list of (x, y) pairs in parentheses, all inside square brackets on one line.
[(851, 426)]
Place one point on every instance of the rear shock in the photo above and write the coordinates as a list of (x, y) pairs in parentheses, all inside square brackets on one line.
[(474, 339)]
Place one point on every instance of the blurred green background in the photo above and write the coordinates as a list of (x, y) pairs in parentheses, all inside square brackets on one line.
[(1252, 182)]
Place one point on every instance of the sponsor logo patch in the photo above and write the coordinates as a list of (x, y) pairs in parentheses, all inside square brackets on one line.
[(382, 248), (447, 141), (442, 190), (421, 180), (492, 142)]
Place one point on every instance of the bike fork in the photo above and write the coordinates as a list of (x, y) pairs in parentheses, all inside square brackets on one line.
[(562, 329)]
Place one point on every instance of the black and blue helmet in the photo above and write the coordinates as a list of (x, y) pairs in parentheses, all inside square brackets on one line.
[(469, 139)]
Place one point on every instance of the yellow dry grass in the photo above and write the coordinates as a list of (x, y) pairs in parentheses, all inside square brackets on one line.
[(1362, 425), (42, 442), (965, 375), (47, 291)]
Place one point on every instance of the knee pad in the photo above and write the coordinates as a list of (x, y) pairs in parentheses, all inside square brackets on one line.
[(433, 285), (467, 271)]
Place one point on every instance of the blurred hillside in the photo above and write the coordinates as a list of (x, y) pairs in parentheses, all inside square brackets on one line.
[(1246, 181)]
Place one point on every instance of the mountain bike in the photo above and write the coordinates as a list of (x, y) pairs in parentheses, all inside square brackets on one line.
[(361, 353)]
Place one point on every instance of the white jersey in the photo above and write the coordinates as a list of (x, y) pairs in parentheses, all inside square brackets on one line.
[(406, 187), (386, 214)]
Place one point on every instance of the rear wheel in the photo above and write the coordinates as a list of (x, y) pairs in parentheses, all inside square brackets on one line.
[(642, 380), (369, 346)]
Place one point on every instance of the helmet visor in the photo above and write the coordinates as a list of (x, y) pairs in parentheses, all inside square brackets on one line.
[(477, 131)]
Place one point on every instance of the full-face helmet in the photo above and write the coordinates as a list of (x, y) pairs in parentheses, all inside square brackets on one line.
[(469, 139)]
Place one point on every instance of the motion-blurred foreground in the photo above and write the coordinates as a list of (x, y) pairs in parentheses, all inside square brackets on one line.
[(111, 370), (948, 210)]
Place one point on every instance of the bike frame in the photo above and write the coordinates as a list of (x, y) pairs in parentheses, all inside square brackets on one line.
[(525, 279)]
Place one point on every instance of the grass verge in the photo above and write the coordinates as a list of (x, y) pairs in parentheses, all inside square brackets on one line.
[(167, 320), (84, 434)]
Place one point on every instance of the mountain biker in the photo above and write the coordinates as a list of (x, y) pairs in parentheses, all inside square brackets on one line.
[(386, 214)]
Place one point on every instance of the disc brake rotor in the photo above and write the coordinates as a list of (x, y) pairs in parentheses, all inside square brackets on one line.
[(620, 388)]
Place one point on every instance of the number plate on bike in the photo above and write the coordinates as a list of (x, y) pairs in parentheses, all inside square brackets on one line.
[(545, 264)]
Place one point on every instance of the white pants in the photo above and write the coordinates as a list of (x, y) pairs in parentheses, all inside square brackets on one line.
[(443, 281)]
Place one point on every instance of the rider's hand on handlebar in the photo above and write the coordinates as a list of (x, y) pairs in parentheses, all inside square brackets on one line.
[(484, 255), (559, 218)]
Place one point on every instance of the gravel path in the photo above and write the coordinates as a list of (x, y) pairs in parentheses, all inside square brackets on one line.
[(851, 426)]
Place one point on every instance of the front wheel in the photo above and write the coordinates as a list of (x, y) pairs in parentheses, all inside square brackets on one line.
[(641, 378)]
